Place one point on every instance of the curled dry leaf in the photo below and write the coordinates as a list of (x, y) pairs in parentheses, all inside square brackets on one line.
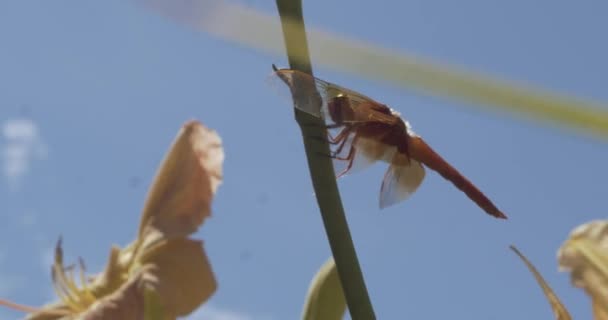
[(162, 271), (585, 256), (559, 310)]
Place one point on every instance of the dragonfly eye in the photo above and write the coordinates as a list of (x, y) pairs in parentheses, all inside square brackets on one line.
[(338, 106)]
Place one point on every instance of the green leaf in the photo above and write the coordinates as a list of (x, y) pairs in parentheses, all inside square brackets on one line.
[(325, 299)]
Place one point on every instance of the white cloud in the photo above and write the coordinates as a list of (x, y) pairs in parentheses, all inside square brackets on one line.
[(21, 144), (210, 312)]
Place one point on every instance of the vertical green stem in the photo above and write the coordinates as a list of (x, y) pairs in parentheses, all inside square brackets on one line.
[(322, 172)]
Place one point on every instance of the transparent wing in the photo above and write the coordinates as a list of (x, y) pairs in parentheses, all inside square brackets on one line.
[(313, 95), (349, 158), (297, 87), (400, 181)]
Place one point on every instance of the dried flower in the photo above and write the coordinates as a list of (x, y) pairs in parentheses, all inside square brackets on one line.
[(163, 273)]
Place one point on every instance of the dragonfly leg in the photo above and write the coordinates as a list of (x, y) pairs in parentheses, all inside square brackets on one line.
[(350, 158), (330, 138), (318, 138), (334, 155), (324, 155), (313, 125), (325, 126), (341, 139), (336, 139), (338, 150), (341, 135)]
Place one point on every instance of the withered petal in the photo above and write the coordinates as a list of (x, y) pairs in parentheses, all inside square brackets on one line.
[(595, 231), (585, 256), (180, 197), (180, 273)]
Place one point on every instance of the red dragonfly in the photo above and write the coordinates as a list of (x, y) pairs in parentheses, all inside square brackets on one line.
[(369, 131)]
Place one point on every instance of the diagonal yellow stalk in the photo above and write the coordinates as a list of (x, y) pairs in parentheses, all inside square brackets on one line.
[(260, 31)]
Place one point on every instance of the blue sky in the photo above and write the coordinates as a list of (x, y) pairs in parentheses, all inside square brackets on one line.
[(93, 92)]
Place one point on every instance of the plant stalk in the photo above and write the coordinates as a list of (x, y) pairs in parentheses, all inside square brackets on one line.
[(322, 171)]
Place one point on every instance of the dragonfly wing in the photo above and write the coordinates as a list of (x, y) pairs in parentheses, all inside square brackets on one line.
[(302, 90), (313, 96), (399, 182), (343, 165)]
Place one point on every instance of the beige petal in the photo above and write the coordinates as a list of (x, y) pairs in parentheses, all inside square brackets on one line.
[(176, 269), (596, 232), (181, 274), (180, 197)]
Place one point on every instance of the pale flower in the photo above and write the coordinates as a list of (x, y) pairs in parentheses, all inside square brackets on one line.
[(163, 274)]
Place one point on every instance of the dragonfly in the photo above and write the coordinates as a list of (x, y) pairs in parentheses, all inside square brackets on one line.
[(368, 131)]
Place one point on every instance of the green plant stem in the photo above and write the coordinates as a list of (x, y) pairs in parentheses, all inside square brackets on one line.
[(322, 172)]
